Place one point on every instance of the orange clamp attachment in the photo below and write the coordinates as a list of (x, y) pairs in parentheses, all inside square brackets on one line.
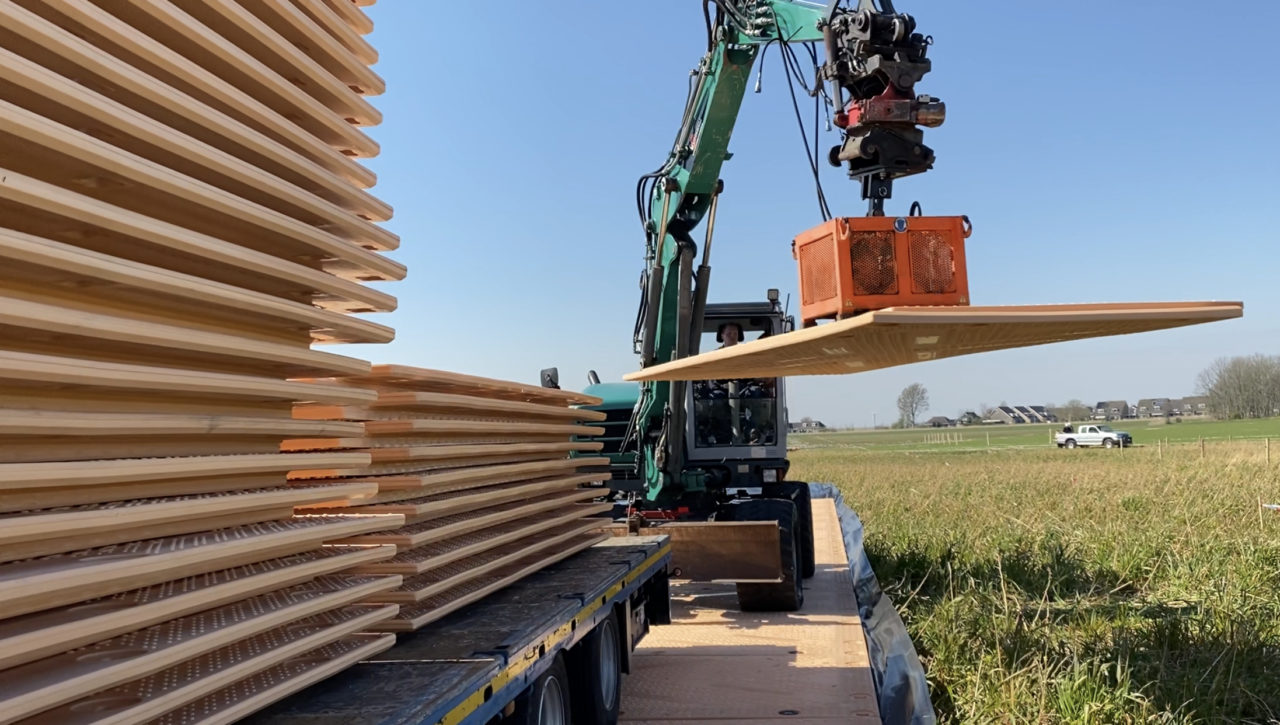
[(851, 265)]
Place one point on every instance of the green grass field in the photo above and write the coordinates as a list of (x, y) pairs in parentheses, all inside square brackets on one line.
[(1088, 586)]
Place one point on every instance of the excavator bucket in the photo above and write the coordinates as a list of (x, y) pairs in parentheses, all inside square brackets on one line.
[(718, 551)]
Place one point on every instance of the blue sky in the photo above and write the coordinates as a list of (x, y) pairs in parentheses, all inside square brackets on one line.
[(1125, 154)]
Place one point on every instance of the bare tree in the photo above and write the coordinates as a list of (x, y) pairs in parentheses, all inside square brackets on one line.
[(913, 401), (1075, 409), (1242, 387)]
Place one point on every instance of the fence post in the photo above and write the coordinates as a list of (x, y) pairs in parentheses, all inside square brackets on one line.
[(988, 439), (1202, 446), (1268, 450), (1160, 448)]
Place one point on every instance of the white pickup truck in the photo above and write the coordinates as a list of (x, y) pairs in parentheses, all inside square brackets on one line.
[(1092, 435)]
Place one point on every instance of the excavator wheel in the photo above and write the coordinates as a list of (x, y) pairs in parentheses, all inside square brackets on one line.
[(787, 595), (798, 493)]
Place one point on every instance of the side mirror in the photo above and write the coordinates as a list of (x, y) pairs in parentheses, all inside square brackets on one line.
[(551, 378)]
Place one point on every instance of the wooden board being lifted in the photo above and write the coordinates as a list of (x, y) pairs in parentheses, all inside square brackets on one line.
[(247, 696), (898, 336), (419, 615), (36, 584), (38, 686), (424, 380), (55, 531), (411, 405), (42, 634), (141, 700)]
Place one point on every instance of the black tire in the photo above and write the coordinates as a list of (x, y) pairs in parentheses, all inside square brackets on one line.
[(547, 700), (1071, 443), (1108, 443), (596, 665), (787, 595), (800, 495)]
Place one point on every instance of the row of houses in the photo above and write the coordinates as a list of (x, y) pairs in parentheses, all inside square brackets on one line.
[(1001, 414), (1152, 408)]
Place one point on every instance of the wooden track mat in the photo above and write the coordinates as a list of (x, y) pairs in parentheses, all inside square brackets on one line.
[(454, 502), (402, 405), (85, 52), (305, 27), (413, 433), (436, 454), (55, 531), (444, 577), (39, 686), (446, 527), (37, 584), (424, 380), (56, 373), (45, 498), (189, 681), (203, 45), (346, 24), (898, 336), (41, 634), (401, 488), (36, 261), (247, 696), (419, 615), (427, 459), (77, 424), (19, 476), (52, 212)]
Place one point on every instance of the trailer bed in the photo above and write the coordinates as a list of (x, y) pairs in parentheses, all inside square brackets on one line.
[(715, 664)]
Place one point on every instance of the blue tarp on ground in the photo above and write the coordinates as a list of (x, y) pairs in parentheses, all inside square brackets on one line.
[(901, 686)]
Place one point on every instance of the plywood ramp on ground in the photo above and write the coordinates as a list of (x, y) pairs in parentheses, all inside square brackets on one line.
[(74, 37), (37, 584), (41, 634), (44, 684), (811, 664), (247, 696), (898, 336)]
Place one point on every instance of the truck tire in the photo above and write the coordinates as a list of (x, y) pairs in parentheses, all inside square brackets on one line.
[(1071, 443), (1108, 443), (800, 495), (546, 701), (787, 595), (595, 664)]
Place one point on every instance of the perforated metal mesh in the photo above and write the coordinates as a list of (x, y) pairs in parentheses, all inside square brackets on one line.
[(873, 263), (933, 264), (818, 280)]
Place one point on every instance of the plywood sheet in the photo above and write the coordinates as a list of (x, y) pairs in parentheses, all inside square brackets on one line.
[(199, 43), (36, 584), (62, 100), (252, 694), (59, 474), (62, 423), (425, 380), (43, 498), (41, 634), (35, 261), (345, 23), (466, 452), (39, 686), (426, 432), (446, 576), (80, 527), (419, 615), (199, 103), (159, 693), (73, 159), (49, 211), (897, 336), (411, 405), (62, 373), (440, 529), (400, 488), (302, 31), (425, 459), (426, 558)]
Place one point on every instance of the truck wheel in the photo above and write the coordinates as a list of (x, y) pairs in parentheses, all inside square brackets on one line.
[(546, 701), (1108, 443), (787, 595), (596, 665), (799, 494), (1071, 443)]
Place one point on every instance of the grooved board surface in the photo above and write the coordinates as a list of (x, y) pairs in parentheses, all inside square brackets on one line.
[(898, 336), (34, 636), (60, 423), (188, 681), (401, 404), (443, 504), (416, 616), (82, 473), (251, 694), (401, 488), (36, 584), (419, 465), (44, 498), (475, 451), (425, 380), (40, 685)]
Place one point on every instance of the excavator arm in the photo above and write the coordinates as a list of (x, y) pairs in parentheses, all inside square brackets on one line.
[(873, 57)]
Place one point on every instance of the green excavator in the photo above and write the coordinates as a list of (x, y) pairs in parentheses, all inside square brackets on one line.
[(706, 461)]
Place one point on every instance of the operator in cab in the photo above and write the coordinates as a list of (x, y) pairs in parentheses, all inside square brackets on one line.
[(718, 423)]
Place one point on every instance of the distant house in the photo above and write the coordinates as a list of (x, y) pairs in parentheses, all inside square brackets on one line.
[(1007, 414), (1035, 413), (940, 421), (970, 418), (1193, 405), (806, 425), (1111, 410), (1154, 407)]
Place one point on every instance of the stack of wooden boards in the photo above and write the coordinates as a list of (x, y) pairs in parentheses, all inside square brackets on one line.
[(481, 471), (182, 214)]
